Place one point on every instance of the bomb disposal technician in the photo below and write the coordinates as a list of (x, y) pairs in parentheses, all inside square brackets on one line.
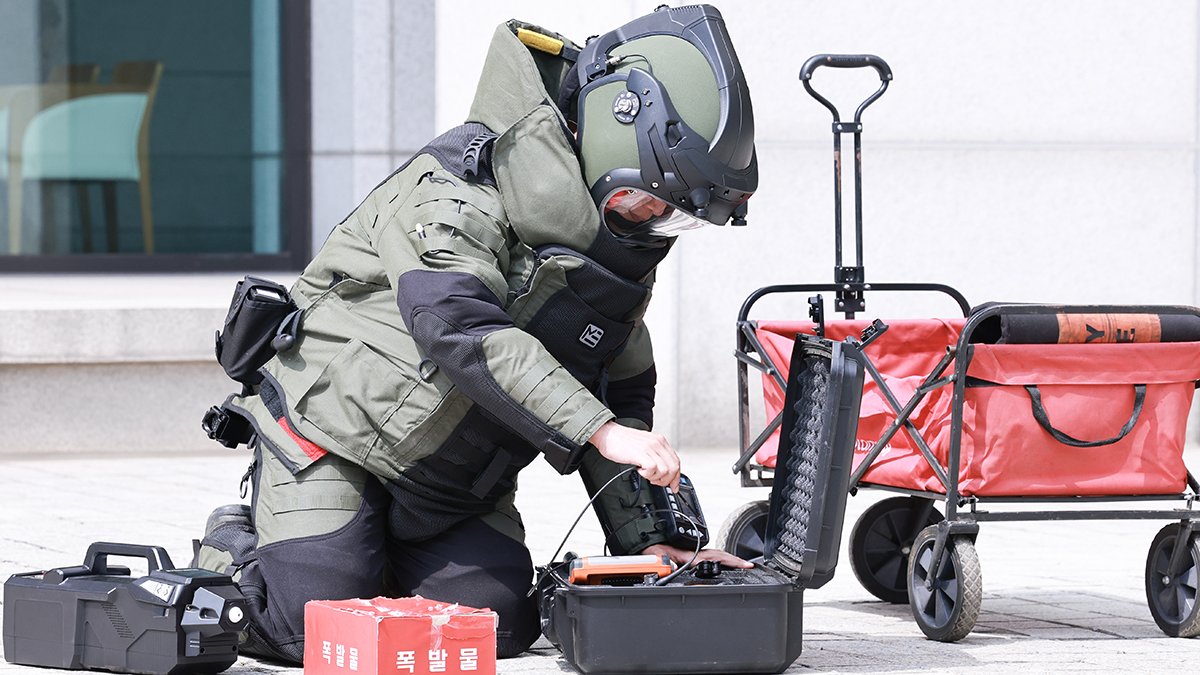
[(481, 307)]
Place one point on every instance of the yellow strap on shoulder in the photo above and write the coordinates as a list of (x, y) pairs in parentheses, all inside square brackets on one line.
[(543, 43)]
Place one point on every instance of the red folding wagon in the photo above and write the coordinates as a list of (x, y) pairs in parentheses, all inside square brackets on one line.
[(1081, 408)]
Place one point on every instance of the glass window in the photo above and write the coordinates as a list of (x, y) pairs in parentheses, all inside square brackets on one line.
[(139, 134)]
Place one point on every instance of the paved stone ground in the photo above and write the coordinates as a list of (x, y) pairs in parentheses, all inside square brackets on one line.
[(1058, 596)]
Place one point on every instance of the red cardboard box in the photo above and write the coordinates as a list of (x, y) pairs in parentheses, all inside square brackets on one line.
[(398, 636)]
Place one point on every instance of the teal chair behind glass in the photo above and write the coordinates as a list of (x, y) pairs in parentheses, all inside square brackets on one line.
[(97, 138), (61, 74)]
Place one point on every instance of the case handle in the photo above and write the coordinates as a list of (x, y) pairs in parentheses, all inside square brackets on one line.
[(1039, 414), (97, 556)]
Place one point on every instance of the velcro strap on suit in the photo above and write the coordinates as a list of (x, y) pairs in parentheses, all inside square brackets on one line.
[(288, 504), (501, 460), (563, 456), (463, 222), (477, 198), (429, 244)]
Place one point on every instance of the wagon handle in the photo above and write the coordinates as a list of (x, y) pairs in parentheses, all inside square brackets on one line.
[(846, 61), (849, 300)]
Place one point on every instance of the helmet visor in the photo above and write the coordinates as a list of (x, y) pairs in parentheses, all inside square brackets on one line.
[(630, 212)]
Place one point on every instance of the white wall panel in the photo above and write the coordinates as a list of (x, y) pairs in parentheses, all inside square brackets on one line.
[(1104, 226), (332, 79), (371, 112), (413, 54), (465, 28), (1020, 71), (333, 194), (372, 93)]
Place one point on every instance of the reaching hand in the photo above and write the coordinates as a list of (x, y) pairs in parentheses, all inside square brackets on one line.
[(681, 556), (649, 452)]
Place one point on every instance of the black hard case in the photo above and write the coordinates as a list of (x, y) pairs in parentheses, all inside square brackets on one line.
[(749, 621), (97, 616)]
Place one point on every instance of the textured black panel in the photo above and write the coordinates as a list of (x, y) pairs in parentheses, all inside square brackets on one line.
[(629, 262), (459, 298), (805, 443), (476, 466), (448, 314), (583, 340), (465, 151)]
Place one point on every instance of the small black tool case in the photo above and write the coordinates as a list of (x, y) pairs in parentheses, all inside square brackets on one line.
[(742, 621), (98, 616)]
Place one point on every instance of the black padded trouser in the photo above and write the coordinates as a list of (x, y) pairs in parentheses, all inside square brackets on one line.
[(323, 534)]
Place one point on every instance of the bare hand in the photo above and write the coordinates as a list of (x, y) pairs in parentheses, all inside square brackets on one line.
[(681, 556), (649, 452)]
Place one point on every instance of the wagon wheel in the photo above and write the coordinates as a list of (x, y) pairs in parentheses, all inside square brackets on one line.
[(744, 533), (1171, 590), (945, 601), (881, 540)]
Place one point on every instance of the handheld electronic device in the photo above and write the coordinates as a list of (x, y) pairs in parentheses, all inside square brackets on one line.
[(680, 514)]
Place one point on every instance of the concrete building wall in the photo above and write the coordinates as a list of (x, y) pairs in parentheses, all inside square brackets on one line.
[(1026, 151), (109, 363), (372, 97)]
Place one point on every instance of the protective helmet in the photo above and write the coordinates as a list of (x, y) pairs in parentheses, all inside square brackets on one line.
[(666, 130)]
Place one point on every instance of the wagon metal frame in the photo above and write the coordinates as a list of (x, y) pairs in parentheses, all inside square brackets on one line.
[(943, 583)]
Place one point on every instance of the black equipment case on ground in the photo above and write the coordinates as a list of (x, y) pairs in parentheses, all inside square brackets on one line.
[(740, 621), (98, 616)]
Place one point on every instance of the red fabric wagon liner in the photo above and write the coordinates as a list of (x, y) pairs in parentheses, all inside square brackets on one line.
[(1086, 392), (908, 351)]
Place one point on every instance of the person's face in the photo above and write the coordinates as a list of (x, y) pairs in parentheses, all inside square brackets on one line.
[(636, 206), (631, 212)]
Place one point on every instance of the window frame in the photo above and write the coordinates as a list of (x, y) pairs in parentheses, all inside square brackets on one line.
[(295, 42)]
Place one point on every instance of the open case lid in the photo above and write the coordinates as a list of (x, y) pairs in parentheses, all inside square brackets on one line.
[(816, 449)]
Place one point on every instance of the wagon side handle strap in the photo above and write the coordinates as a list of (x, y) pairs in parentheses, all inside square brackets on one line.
[(1039, 414)]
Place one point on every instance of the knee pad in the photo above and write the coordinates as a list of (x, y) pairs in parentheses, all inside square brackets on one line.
[(229, 539), (519, 627)]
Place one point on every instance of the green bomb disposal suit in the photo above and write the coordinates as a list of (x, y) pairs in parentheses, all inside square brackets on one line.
[(472, 313)]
